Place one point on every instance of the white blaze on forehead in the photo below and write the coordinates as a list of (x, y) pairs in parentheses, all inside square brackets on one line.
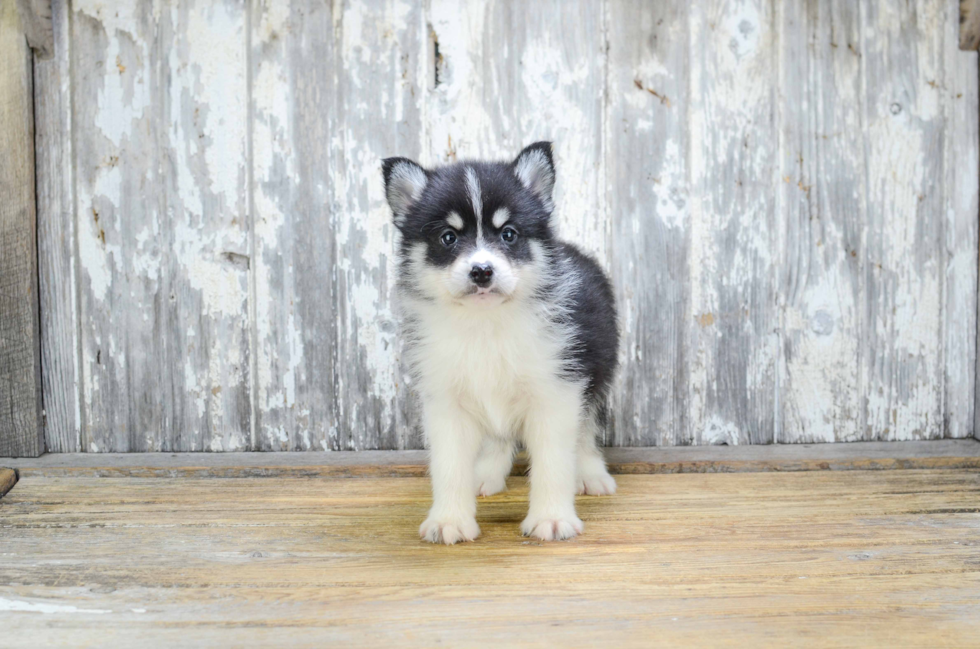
[(476, 199), (455, 220), (500, 217)]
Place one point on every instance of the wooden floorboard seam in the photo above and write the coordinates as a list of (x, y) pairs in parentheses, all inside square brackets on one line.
[(867, 456)]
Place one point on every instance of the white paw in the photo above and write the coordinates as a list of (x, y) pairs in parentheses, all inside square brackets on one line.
[(449, 531), (596, 484), (552, 528), (491, 486)]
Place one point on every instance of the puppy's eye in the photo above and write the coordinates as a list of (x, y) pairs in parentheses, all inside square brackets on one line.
[(448, 238), (509, 235)]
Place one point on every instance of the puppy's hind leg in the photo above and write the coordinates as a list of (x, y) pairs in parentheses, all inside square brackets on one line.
[(591, 476), (493, 465)]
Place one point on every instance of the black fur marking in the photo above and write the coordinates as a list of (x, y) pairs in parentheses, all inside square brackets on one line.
[(590, 311)]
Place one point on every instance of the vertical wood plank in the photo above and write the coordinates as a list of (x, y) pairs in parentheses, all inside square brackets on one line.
[(56, 240), (511, 73), (328, 353), (160, 124), (381, 89), (294, 133), (902, 56), (733, 146), (21, 429), (820, 189), (961, 212), (647, 188)]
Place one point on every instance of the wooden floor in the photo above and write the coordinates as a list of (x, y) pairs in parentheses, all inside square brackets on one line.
[(856, 558)]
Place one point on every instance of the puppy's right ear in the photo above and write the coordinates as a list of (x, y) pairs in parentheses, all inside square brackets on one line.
[(404, 182)]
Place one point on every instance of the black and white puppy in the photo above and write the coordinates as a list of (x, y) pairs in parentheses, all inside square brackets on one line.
[(511, 336)]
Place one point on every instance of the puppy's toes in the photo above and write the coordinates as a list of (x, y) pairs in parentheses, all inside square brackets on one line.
[(597, 484), (558, 528), (448, 531)]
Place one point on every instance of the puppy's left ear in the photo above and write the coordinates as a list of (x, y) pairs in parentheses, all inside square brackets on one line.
[(404, 183), (535, 168)]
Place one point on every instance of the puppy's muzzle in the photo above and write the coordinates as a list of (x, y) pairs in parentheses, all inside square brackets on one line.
[(481, 275)]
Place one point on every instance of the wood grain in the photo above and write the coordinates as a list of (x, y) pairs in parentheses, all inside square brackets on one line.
[(35, 18), (784, 194), (56, 242), (765, 559), (21, 427), (958, 453), (820, 185), (511, 73), (8, 478), (969, 24), (381, 90), (961, 201), (293, 133), (904, 244), (648, 195), (732, 127), (160, 121)]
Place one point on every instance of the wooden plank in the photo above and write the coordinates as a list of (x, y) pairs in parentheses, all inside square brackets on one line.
[(160, 100), (35, 17), (904, 253), (8, 478), (820, 189), (758, 559), (382, 51), (21, 427), (294, 132), (840, 305), (512, 73), (961, 183), (969, 29), (56, 250), (733, 149), (648, 195), (327, 351), (963, 453)]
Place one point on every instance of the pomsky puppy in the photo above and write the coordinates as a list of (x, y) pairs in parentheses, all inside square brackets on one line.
[(511, 337)]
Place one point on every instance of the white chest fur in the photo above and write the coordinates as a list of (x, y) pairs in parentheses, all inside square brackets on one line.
[(494, 363)]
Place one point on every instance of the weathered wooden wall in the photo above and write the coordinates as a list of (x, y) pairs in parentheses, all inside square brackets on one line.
[(784, 192), (21, 428)]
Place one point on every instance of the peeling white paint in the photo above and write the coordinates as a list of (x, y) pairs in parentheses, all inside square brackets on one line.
[(778, 301)]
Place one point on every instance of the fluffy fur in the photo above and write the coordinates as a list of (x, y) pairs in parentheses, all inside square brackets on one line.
[(511, 336)]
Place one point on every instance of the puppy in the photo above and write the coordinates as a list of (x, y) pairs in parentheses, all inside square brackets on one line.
[(511, 337)]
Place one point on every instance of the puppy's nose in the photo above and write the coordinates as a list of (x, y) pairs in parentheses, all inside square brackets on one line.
[(481, 274)]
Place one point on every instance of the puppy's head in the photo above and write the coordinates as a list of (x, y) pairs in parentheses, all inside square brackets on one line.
[(474, 233)]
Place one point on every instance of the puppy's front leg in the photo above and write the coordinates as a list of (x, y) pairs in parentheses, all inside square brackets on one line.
[(454, 441), (550, 434)]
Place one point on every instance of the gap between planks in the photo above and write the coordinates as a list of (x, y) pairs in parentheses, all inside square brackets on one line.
[(938, 454)]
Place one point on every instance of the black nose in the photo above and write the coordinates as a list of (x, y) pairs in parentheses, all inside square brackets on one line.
[(481, 274)]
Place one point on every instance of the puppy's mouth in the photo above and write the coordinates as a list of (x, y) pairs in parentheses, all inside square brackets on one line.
[(485, 294)]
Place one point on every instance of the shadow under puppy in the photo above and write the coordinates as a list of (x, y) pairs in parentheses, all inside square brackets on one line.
[(511, 336)]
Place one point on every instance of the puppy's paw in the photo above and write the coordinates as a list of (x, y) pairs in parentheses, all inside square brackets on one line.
[(491, 486), (552, 528), (448, 530), (596, 484)]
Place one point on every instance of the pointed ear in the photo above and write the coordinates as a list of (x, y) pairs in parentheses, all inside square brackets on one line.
[(404, 182), (535, 168)]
